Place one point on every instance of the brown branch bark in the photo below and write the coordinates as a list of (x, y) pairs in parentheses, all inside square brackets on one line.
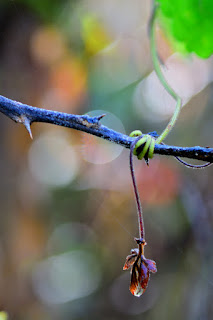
[(26, 115)]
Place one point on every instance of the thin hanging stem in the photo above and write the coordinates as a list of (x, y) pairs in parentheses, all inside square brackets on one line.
[(137, 197)]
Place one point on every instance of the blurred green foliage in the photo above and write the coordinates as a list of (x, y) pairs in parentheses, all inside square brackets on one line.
[(46, 9), (190, 23)]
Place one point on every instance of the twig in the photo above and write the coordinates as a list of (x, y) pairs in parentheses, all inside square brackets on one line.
[(26, 115)]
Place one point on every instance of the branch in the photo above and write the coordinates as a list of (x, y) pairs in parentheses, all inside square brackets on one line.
[(26, 115)]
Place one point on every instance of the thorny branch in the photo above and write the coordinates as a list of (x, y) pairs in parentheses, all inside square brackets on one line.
[(26, 115)]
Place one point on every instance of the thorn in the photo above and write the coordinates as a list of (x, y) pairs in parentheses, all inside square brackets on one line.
[(101, 116), (26, 122)]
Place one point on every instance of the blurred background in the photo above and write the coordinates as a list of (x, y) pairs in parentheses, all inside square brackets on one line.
[(68, 215)]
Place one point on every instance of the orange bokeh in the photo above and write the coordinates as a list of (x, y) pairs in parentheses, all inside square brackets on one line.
[(68, 80), (159, 184)]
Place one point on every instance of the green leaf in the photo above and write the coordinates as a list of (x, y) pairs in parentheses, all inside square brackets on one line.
[(189, 23)]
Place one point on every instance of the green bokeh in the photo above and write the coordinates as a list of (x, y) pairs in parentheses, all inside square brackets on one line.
[(190, 24), (46, 9)]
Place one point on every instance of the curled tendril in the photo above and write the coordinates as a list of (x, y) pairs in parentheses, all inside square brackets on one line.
[(194, 166), (144, 147)]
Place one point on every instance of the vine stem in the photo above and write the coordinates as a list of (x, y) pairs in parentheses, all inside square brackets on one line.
[(157, 68), (137, 197)]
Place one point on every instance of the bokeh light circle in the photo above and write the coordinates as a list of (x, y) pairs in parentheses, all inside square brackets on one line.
[(52, 160), (66, 277), (99, 151), (153, 102), (69, 235)]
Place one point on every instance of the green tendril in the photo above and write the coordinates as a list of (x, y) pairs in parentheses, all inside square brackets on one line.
[(145, 146), (156, 64)]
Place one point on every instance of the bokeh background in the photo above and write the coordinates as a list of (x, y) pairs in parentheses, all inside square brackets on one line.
[(68, 215)]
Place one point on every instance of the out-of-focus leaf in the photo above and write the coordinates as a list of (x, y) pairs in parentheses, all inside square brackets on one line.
[(190, 23)]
